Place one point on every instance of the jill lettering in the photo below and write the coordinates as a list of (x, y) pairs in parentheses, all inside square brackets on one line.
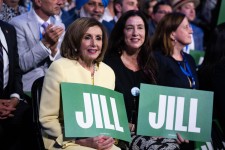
[(100, 113), (167, 115)]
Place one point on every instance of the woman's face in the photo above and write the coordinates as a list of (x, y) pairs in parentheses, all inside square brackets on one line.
[(183, 33), (134, 33), (91, 44)]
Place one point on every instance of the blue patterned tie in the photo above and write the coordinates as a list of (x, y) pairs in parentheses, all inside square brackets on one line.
[(44, 26), (1, 69)]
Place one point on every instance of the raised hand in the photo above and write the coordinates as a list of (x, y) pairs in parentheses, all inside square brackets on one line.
[(51, 36)]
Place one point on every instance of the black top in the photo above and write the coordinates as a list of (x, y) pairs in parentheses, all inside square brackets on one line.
[(170, 73), (212, 78), (126, 79)]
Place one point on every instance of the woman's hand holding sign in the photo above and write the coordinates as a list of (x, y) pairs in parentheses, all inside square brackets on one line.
[(100, 142)]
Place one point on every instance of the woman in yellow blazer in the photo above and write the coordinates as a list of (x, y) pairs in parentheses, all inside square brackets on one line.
[(82, 51)]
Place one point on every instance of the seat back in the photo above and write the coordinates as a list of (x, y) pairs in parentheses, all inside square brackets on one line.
[(36, 97)]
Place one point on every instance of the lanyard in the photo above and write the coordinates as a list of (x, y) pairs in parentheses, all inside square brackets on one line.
[(41, 36), (187, 72)]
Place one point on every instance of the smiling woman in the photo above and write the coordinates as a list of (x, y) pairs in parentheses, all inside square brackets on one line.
[(131, 60), (82, 51), (91, 46), (131, 57), (127, 54)]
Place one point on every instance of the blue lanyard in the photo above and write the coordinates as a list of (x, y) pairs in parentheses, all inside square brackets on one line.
[(40, 34), (188, 72)]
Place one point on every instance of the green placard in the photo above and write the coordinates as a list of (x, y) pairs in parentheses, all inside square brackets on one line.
[(198, 56), (92, 110), (221, 17), (165, 111)]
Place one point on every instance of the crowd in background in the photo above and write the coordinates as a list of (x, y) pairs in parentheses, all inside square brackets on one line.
[(122, 44)]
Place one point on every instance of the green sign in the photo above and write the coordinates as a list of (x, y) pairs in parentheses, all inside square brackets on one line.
[(221, 15), (92, 110), (198, 56), (165, 111)]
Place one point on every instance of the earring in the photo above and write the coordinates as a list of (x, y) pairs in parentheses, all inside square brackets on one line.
[(75, 50)]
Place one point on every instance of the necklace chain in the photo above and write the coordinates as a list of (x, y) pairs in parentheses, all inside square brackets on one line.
[(93, 74)]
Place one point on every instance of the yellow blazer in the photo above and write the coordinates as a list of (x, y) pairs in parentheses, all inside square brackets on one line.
[(65, 70)]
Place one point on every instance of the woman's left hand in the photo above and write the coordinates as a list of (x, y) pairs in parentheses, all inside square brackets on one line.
[(105, 142), (99, 142), (180, 139)]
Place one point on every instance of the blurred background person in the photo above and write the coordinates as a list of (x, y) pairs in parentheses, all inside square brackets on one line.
[(212, 71), (120, 7), (207, 14), (91, 8), (11, 8), (188, 7), (147, 7), (159, 11), (67, 13), (82, 51), (109, 13), (87, 8)]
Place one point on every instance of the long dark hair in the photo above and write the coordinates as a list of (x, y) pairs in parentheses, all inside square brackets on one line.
[(117, 44)]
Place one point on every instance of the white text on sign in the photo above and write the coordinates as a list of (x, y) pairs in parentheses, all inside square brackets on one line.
[(168, 117), (99, 107)]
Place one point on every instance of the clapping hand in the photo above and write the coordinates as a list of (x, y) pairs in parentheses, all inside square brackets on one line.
[(51, 36)]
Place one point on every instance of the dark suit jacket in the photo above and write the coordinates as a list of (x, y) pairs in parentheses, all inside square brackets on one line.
[(170, 74), (15, 74), (12, 129), (109, 25)]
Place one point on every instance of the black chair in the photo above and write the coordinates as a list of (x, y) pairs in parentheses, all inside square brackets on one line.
[(36, 97)]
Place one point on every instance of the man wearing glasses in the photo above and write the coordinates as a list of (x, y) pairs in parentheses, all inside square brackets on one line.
[(159, 11)]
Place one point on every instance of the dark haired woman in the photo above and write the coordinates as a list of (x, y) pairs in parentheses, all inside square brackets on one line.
[(130, 57)]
